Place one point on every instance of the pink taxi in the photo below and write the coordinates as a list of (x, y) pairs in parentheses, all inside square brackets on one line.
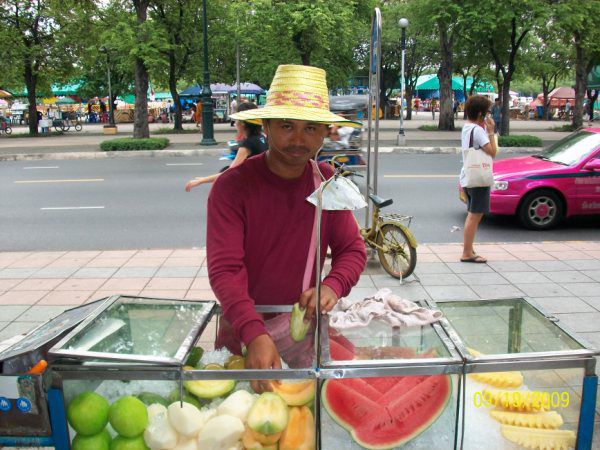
[(543, 189)]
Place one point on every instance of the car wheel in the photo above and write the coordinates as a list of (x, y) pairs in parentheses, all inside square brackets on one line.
[(541, 210)]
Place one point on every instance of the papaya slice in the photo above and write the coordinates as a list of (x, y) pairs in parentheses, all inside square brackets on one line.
[(295, 393), (300, 433), (250, 442)]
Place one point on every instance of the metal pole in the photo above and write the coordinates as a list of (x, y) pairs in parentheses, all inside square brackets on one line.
[(111, 116), (207, 108), (401, 136), (237, 72)]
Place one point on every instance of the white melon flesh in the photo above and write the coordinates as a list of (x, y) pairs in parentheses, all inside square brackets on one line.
[(221, 433), (186, 444), (159, 434), (237, 404), (185, 418)]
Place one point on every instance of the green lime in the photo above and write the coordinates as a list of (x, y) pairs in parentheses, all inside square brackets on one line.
[(213, 366), (235, 362), (88, 413), (194, 357), (128, 416), (124, 443), (100, 441), (150, 397)]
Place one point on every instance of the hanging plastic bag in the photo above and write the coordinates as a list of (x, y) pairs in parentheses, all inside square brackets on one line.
[(339, 193)]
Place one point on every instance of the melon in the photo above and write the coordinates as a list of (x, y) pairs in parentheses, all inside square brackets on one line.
[(269, 414), (383, 413), (340, 348), (208, 389), (298, 327), (300, 433), (295, 393)]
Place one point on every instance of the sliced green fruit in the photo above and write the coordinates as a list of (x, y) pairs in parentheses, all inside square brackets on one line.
[(209, 388), (298, 327), (174, 396), (150, 398), (295, 393), (269, 414), (194, 357)]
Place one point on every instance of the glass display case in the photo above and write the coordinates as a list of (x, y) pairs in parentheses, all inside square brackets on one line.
[(530, 382)]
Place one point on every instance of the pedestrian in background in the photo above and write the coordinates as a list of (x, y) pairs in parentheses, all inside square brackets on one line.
[(479, 127), (233, 108), (497, 114), (433, 106)]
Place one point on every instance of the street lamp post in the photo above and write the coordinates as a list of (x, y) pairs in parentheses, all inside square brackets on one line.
[(403, 25), (207, 108), (111, 113)]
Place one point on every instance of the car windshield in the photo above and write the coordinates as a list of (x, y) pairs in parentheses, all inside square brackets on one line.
[(570, 150)]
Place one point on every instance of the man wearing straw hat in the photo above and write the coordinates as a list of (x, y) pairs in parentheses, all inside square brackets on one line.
[(261, 227)]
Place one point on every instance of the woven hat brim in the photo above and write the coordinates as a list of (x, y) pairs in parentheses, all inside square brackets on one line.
[(293, 113)]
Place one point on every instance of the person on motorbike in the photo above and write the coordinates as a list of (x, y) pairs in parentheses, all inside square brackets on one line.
[(252, 143)]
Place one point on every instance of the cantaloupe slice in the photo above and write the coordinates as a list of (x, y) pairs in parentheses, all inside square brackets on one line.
[(511, 379), (522, 401), (250, 442), (300, 433), (536, 439), (548, 419), (295, 393)]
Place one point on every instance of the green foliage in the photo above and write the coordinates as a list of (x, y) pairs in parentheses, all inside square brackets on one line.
[(429, 128), (165, 130), (519, 141), (122, 144), (568, 128)]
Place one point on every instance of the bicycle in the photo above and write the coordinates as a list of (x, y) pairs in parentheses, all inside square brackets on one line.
[(389, 234), (5, 127)]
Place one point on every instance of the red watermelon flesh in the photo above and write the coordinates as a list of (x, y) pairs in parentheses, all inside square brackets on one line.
[(339, 351), (396, 416)]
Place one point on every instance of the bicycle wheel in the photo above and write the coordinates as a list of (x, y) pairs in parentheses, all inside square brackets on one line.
[(78, 126), (398, 257), (8, 130), (65, 125)]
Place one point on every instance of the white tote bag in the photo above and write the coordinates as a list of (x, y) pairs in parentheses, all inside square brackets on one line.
[(478, 166)]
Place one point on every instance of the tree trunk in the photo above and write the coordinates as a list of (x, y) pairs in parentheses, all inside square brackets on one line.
[(173, 88), (140, 117), (409, 96), (446, 119), (30, 82), (505, 122), (546, 91), (580, 82)]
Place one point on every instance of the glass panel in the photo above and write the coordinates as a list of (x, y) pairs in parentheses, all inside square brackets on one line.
[(548, 399), (381, 412), (141, 326), (505, 326)]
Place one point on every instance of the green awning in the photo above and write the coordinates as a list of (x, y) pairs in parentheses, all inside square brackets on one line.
[(431, 82), (593, 79)]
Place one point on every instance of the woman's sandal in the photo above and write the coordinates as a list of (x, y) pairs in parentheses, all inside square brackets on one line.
[(474, 259)]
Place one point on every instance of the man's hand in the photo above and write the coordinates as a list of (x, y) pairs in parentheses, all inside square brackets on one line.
[(308, 301), (262, 354)]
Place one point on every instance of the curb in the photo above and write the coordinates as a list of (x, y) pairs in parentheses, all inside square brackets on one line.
[(220, 151)]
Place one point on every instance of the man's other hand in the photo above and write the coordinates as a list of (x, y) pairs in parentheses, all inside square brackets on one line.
[(308, 301), (262, 354)]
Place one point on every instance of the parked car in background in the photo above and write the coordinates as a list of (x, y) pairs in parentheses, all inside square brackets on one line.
[(543, 189)]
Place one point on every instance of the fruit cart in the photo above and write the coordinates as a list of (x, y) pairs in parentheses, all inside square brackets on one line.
[(529, 381)]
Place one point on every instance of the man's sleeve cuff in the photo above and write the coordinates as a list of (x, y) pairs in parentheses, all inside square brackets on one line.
[(335, 285), (252, 330)]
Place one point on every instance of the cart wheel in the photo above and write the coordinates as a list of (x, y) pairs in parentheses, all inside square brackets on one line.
[(78, 127), (65, 126), (398, 256), (57, 127), (8, 130)]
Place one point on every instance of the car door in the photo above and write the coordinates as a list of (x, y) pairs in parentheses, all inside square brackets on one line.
[(588, 188)]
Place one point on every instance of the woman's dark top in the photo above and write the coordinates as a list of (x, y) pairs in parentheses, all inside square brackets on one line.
[(256, 144)]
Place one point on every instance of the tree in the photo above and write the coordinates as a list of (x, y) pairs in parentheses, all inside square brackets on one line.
[(140, 117)]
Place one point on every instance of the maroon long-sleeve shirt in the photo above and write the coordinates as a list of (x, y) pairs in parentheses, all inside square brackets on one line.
[(258, 235)]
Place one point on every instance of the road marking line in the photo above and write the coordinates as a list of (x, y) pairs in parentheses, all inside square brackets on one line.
[(81, 180), (41, 167), (421, 176), (56, 208), (184, 164)]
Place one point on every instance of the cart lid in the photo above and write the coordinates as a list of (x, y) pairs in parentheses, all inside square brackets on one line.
[(137, 329), (50, 330)]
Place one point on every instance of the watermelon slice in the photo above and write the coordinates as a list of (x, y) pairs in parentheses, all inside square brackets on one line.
[(391, 417), (340, 348)]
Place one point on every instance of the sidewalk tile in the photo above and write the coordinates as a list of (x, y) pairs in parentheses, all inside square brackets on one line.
[(440, 279), (3, 325), (7, 283), (593, 253), (153, 253), (449, 257), (203, 272), (203, 283), (500, 256), (81, 284), (65, 298), (431, 267), (542, 290), (135, 272), (41, 313), (117, 254), (463, 267), (11, 257), (424, 249), (583, 289), (122, 284), (54, 255), (166, 293), (183, 262), (592, 301), (585, 264), (593, 274), (38, 284), (107, 262), (517, 248), (510, 266), (177, 272), (95, 272), (11, 312), (571, 255), (593, 338), (200, 294), (584, 245), (411, 291), (384, 280), (490, 248), (55, 272), (69, 262), (492, 291), (15, 328), (445, 248), (16, 273), (563, 305), (549, 266), (552, 246), (188, 253), (581, 322), (568, 276), (101, 293), (21, 297), (533, 256), (438, 293), (169, 283), (525, 277), (427, 258), (79, 254), (31, 262), (481, 279), (358, 293), (145, 262)]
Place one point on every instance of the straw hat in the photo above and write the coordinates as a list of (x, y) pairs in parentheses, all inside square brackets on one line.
[(296, 93)]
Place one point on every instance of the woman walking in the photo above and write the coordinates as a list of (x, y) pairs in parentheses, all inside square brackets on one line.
[(480, 128)]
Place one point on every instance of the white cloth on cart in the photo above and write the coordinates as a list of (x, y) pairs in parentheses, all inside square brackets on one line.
[(383, 306)]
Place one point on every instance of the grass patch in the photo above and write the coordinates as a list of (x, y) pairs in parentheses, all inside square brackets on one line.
[(428, 128), (30, 135), (122, 144), (519, 141), (166, 130), (568, 127)]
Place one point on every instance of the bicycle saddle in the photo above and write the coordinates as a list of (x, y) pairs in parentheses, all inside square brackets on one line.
[(380, 202)]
